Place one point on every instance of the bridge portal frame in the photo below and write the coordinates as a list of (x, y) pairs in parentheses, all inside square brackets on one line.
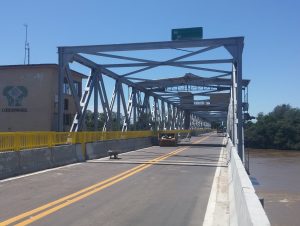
[(69, 54)]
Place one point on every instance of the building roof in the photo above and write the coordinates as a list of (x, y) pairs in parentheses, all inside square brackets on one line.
[(55, 66)]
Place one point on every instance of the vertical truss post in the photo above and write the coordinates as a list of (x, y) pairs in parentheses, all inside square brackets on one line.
[(61, 75), (178, 119), (154, 114), (96, 92), (169, 121), (108, 122), (139, 106), (187, 119), (182, 119), (127, 111), (163, 116), (146, 110), (230, 116), (104, 101), (234, 106), (134, 104), (236, 52), (192, 121), (118, 104), (239, 95), (174, 118), (195, 122), (158, 110)]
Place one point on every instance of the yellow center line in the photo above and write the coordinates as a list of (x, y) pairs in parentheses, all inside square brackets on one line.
[(74, 197), (19, 217)]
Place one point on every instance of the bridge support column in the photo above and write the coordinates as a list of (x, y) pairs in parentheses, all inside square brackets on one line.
[(238, 138)]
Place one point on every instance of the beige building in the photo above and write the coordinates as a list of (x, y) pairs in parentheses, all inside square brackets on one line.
[(29, 95)]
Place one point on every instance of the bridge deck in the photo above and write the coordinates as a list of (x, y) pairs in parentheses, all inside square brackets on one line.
[(172, 189)]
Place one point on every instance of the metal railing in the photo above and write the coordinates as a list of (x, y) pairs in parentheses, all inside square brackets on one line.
[(16, 141)]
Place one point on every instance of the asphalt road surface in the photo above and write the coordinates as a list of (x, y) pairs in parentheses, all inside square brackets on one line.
[(152, 186)]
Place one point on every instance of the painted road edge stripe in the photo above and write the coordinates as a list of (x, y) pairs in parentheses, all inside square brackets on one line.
[(211, 205)]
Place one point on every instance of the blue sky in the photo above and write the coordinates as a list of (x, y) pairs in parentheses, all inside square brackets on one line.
[(271, 30)]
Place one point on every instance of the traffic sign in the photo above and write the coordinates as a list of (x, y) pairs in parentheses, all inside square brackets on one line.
[(193, 33)]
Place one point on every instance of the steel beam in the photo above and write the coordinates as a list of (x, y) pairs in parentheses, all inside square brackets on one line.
[(153, 45), (173, 60), (177, 63)]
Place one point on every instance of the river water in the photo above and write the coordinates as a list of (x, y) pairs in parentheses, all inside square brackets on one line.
[(276, 177)]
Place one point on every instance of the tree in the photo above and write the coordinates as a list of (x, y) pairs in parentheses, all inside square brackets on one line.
[(89, 120), (280, 129)]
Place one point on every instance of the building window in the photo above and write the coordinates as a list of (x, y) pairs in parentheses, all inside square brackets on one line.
[(67, 89), (66, 104)]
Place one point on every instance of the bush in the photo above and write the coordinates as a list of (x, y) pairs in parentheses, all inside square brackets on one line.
[(280, 129)]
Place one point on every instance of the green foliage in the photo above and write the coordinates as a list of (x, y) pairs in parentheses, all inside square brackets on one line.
[(89, 120), (280, 129), (143, 123)]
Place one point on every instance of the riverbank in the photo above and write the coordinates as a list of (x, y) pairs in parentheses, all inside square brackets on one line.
[(275, 176)]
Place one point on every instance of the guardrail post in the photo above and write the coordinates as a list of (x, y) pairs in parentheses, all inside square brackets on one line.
[(83, 143), (17, 142), (49, 137)]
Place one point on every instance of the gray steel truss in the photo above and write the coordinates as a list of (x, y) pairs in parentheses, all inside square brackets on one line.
[(188, 102)]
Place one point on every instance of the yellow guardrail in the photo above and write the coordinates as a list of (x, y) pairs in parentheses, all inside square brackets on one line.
[(16, 141)]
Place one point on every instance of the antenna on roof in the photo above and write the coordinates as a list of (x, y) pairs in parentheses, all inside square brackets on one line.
[(27, 48)]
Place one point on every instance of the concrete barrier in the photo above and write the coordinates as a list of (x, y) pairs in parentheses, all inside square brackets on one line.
[(64, 155), (27, 161), (244, 205), (100, 149), (35, 160), (9, 164), (79, 153), (96, 150)]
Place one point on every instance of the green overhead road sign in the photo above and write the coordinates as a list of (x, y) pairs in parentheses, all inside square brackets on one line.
[(193, 33)]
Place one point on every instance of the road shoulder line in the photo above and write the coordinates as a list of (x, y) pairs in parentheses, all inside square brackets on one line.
[(217, 207)]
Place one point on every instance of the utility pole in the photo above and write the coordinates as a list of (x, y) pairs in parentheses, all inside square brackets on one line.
[(27, 48)]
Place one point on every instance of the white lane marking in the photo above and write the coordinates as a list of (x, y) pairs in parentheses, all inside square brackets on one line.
[(53, 169), (211, 205)]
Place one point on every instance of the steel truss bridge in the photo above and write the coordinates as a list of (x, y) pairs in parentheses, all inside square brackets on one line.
[(198, 90)]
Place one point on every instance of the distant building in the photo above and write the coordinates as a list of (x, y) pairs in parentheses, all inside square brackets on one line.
[(29, 97)]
